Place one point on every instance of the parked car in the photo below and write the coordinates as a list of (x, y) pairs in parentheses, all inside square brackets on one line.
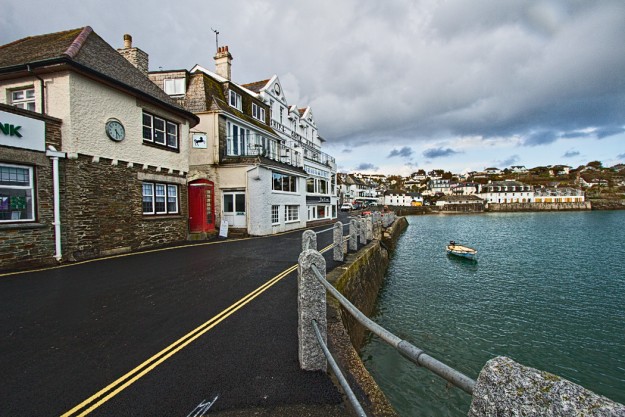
[(347, 207)]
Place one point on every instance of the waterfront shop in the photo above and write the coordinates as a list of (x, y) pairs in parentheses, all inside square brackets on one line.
[(122, 162)]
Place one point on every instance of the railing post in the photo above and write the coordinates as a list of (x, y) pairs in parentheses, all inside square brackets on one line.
[(311, 303), (309, 240), (353, 234), (338, 241), (369, 222), (362, 230)]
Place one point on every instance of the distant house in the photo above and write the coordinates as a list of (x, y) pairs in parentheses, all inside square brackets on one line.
[(464, 188), (439, 186), (399, 199), (518, 169), (492, 171), (460, 203)]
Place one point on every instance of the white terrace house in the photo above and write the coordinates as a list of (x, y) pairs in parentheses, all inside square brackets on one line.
[(559, 195), (399, 199), (503, 192), (297, 129), (240, 170)]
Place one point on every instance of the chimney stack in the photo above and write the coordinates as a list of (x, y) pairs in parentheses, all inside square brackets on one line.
[(223, 62), (135, 56)]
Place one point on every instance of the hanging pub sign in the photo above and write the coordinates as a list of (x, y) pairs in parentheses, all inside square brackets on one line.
[(22, 132)]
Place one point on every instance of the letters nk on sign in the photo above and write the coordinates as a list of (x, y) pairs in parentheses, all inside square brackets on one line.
[(10, 130)]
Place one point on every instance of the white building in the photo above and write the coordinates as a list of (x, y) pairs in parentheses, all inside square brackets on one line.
[(398, 199), (559, 195), (298, 130), (503, 192)]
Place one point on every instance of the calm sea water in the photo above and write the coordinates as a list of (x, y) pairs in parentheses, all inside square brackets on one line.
[(548, 291)]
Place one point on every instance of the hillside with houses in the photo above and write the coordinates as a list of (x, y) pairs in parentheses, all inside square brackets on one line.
[(517, 184)]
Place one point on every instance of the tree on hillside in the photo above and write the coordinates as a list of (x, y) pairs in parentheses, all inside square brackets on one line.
[(595, 164)]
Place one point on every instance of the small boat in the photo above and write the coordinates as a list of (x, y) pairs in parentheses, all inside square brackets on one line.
[(460, 250)]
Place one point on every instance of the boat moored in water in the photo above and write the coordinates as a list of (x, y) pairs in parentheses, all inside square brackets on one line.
[(460, 250)]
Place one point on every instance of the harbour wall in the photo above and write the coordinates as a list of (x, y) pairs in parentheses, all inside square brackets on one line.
[(521, 207), (360, 279)]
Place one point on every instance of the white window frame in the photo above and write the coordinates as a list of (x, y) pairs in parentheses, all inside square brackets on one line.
[(240, 140), (234, 99), (169, 131), (27, 101), (175, 86), (258, 112), (168, 193), (30, 187), (275, 215), (286, 182), (291, 213)]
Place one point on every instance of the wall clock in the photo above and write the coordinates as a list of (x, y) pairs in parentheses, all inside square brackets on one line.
[(115, 130)]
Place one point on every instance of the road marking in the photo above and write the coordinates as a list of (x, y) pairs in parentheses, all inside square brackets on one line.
[(202, 408), (129, 378)]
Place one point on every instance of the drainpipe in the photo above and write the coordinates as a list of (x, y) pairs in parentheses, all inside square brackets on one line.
[(54, 156), (41, 88)]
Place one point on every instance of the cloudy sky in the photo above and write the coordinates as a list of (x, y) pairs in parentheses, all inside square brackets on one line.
[(398, 85)]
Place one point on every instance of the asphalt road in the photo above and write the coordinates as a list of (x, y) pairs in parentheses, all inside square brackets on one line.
[(70, 332)]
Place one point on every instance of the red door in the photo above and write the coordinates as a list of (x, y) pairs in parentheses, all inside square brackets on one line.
[(201, 206)]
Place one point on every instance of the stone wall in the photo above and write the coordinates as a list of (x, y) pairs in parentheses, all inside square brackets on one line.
[(519, 207), (103, 209), (604, 204), (360, 280)]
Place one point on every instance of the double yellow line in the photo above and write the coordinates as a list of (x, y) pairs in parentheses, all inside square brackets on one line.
[(129, 378), (114, 388)]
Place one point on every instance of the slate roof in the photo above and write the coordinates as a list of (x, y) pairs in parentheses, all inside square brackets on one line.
[(256, 86), (86, 51)]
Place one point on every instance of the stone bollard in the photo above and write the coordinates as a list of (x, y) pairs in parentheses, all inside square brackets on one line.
[(369, 225), (362, 230), (311, 305), (338, 241), (377, 229), (309, 240), (353, 235), (507, 388)]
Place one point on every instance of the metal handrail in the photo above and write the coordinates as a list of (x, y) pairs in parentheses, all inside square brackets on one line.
[(339, 375), (408, 350)]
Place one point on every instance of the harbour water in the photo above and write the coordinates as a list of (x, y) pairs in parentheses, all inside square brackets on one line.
[(548, 291)]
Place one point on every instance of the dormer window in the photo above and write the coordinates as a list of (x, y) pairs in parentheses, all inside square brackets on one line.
[(175, 86), (258, 112), (234, 99)]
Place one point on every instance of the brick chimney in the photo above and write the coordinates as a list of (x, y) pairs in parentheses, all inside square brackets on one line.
[(223, 62), (135, 56)]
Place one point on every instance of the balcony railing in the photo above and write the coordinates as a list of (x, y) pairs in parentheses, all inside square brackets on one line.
[(257, 145)]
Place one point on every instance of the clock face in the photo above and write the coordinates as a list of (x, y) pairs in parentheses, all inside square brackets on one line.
[(276, 88), (115, 130)]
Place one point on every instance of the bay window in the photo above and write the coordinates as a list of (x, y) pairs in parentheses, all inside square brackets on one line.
[(284, 182)]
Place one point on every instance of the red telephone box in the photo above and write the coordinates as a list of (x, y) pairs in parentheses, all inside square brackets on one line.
[(201, 206)]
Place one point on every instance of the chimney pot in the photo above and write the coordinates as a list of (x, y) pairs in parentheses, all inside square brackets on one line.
[(127, 41)]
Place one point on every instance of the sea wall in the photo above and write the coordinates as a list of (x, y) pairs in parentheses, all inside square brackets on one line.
[(360, 280), (520, 207), (604, 204)]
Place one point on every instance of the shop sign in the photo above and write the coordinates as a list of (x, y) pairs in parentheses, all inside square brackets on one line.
[(318, 200), (22, 132)]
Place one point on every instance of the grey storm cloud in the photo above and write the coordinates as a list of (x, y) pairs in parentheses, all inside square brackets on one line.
[(438, 152), (394, 72), (366, 167), (404, 152), (571, 154), (609, 131), (511, 160)]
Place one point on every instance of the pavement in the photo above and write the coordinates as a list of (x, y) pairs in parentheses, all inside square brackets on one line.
[(204, 329)]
